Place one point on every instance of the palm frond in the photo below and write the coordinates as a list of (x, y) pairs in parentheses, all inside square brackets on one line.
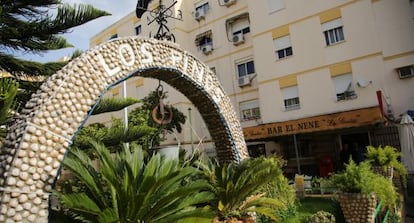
[(113, 104)]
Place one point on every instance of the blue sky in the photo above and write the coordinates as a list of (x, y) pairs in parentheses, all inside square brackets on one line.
[(79, 36)]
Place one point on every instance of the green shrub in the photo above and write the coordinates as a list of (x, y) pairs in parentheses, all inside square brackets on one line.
[(280, 189), (321, 217), (387, 157)]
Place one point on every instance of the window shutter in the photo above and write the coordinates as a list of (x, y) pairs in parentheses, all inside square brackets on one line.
[(249, 105), (282, 42), (342, 83), (331, 24), (239, 25), (290, 92)]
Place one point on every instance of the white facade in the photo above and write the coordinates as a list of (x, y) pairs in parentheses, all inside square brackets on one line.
[(282, 60)]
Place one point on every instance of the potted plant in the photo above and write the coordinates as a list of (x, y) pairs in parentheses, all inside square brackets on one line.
[(360, 189), (384, 160), (236, 189)]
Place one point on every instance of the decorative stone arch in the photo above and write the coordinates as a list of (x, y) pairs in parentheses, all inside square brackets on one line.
[(37, 143)]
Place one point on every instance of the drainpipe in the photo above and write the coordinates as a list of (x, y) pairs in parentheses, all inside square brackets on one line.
[(191, 129)]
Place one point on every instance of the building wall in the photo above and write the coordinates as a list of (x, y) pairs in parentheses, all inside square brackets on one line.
[(378, 39)]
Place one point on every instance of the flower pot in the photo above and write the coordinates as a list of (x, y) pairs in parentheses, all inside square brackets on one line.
[(357, 208)]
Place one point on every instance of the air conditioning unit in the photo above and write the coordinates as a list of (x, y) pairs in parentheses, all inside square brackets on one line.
[(245, 80), (207, 49), (199, 15), (229, 2), (238, 39), (405, 72)]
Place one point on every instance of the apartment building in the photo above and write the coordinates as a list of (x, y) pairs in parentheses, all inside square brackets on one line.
[(305, 78)]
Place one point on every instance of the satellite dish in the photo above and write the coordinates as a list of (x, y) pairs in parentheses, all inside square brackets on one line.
[(363, 83)]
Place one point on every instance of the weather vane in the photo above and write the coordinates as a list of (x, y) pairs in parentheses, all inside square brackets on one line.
[(159, 15)]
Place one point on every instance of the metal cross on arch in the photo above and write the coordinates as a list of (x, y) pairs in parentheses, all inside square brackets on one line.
[(159, 15)]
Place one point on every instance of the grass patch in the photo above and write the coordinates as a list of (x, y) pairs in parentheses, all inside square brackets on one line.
[(310, 205)]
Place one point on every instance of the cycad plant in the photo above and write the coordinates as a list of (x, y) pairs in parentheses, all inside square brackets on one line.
[(8, 92), (126, 189), (236, 188)]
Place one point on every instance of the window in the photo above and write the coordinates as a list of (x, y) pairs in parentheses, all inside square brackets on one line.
[(240, 26), (204, 39), (246, 68), (344, 87), (283, 47), (291, 98), (137, 29), (405, 72), (114, 36), (249, 110), (275, 5), (333, 31), (202, 8)]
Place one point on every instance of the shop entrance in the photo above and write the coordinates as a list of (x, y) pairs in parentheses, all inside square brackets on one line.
[(353, 146)]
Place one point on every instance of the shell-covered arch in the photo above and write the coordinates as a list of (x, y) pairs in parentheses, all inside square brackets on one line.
[(37, 143)]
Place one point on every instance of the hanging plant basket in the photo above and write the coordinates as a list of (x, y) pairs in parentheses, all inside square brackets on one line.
[(358, 208)]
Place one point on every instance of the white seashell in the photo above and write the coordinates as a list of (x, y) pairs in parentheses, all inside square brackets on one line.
[(25, 145), (43, 155), (22, 153), (37, 201), (18, 163), (11, 181), (28, 205), (54, 154), (19, 207), (17, 217), (20, 183), (32, 217), (40, 170), (42, 213), (31, 154), (24, 167), (40, 164), (48, 168), (13, 202), (25, 214), (15, 172), (29, 182), (11, 212), (49, 142), (31, 129), (33, 139), (33, 161), (36, 176), (23, 199)]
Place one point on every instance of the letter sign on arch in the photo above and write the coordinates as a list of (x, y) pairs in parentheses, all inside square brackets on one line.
[(37, 143)]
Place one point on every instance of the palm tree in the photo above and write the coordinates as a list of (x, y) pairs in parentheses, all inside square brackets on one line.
[(237, 188), (126, 189), (30, 27)]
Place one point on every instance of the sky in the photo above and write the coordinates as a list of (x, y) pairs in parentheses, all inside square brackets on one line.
[(79, 36)]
